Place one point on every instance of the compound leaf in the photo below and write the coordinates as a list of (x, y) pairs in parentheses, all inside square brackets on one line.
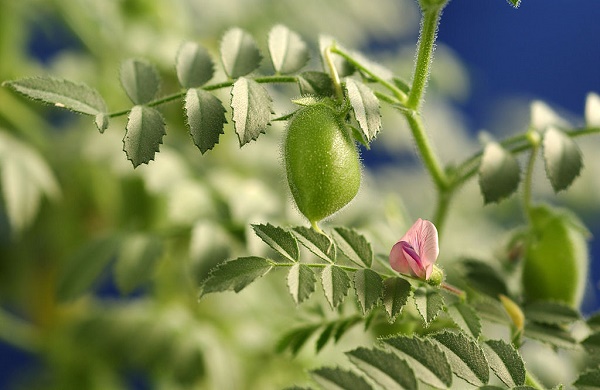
[(235, 274)]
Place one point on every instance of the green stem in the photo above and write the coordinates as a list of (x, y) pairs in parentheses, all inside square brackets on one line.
[(441, 211), (315, 265), (17, 332), (429, 26), (532, 381), (534, 139), (334, 73)]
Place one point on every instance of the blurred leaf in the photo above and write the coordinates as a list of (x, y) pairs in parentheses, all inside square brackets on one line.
[(336, 284), (137, 258), (206, 117), (193, 65), (592, 110), (25, 178), (484, 278), (316, 83), (465, 356), (556, 258), (339, 379), (466, 318), (542, 116), (594, 322), (365, 106), (325, 336), (372, 67), (301, 282), (395, 294), (429, 304), (385, 368), (499, 173), (506, 362), (401, 84), (562, 157), (552, 335), (295, 338), (369, 288), (61, 93), (281, 240), (251, 106), (140, 80), (344, 325), (589, 380), (82, 269), (551, 313), (514, 3), (491, 310), (592, 343), (317, 243), (239, 53), (235, 274), (145, 130), (289, 52), (354, 245), (426, 359)]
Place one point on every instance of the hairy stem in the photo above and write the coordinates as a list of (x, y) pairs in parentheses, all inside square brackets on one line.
[(333, 72)]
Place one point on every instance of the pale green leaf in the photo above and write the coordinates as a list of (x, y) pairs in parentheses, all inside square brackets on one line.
[(371, 69), (136, 261), (279, 239), (369, 288), (551, 313), (336, 284), (193, 65), (365, 106), (316, 83), (354, 245), (506, 362), (235, 274), (140, 80), (289, 52), (543, 116), (385, 368), (395, 295), (301, 282), (339, 379), (145, 130), (588, 380), (562, 158), (499, 173), (429, 304), (466, 318), (251, 106), (82, 269), (317, 243), (426, 359), (101, 122), (592, 110), (484, 277), (239, 53), (465, 356), (294, 339), (60, 93), (205, 117), (553, 335)]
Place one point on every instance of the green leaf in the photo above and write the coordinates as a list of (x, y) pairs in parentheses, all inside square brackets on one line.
[(343, 327), (491, 310), (395, 294), (316, 83), (140, 80), (562, 157), (101, 122), (556, 257), (466, 318), (465, 356), (325, 336), (193, 65), (354, 245), (592, 343), (552, 335), (279, 239), (385, 368), (339, 379), (594, 322), (426, 358), (84, 267), (24, 179), (551, 313), (589, 380), (365, 106), (239, 53), (401, 84), (336, 284), (592, 110), (295, 339), (317, 243), (61, 93), (483, 277), (506, 362), (369, 288), (137, 258), (251, 106), (301, 282), (289, 52), (235, 274), (499, 173), (429, 304), (514, 3), (145, 130), (205, 117)]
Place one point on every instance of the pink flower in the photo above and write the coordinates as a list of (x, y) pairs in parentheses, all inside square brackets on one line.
[(416, 252)]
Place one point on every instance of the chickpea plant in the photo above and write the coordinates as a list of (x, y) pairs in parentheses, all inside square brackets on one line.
[(338, 107)]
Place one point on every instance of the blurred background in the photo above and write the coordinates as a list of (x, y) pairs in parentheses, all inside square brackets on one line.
[(99, 263)]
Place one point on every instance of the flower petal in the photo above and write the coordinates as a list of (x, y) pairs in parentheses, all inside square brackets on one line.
[(414, 261), (398, 260), (428, 245)]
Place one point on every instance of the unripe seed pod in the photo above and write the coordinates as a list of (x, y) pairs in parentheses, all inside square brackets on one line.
[(321, 161)]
